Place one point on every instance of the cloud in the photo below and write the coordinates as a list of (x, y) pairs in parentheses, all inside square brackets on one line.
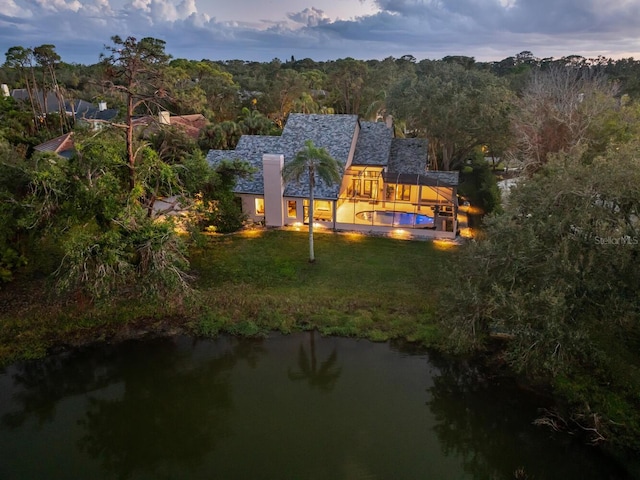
[(486, 29), (10, 9), (59, 5), (311, 17)]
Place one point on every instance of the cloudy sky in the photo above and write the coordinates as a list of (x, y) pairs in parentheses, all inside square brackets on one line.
[(328, 29)]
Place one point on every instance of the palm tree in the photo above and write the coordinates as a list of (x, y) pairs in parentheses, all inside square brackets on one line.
[(315, 161)]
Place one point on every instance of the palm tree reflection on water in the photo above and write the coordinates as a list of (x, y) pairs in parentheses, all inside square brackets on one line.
[(323, 377)]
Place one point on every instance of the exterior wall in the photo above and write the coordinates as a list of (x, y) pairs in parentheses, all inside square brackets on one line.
[(300, 207), (273, 190), (249, 207), (299, 211)]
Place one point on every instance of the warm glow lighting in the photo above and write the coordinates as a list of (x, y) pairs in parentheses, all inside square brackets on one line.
[(354, 236), (474, 210), (442, 244), (317, 225), (467, 232), (400, 234), (252, 232)]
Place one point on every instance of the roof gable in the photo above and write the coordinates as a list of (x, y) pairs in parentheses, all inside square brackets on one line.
[(374, 144), (62, 145)]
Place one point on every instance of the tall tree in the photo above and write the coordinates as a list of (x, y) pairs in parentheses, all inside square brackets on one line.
[(557, 275), (347, 78), (458, 109), (47, 58), (21, 59), (560, 109), (136, 69), (312, 161)]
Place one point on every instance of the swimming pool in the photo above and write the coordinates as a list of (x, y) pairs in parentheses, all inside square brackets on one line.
[(396, 219)]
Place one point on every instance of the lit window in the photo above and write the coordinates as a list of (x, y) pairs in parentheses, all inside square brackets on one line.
[(403, 192), (322, 205), (292, 209), (259, 206), (322, 210)]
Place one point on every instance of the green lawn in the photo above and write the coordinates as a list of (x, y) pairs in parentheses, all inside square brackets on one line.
[(247, 284), (361, 286)]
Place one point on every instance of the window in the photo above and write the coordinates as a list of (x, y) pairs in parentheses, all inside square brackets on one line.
[(322, 205), (292, 209), (403, 192), (370, 189), (259, 206), (322, 210), (355, 187)]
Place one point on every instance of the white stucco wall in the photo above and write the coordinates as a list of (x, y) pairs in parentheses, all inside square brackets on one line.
[(273, 190)]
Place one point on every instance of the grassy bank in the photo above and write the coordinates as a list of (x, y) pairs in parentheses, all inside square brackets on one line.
[(250, 283)]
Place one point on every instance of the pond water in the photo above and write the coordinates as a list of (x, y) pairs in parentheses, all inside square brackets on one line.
[(286, 407)]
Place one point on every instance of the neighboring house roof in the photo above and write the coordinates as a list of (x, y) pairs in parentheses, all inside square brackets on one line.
[(52, 103), (87, 111), (62, 145), (192, 124), (375, 146), (81, 109)]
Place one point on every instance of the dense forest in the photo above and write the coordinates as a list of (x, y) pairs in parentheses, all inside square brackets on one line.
[(553, 272)]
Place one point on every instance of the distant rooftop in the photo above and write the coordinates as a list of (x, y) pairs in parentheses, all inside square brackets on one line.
[(62, 145)]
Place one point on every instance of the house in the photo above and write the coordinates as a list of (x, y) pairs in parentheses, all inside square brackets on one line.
[(62, 145), (191, 125), (96, 118), (385, 186), (80, 110)]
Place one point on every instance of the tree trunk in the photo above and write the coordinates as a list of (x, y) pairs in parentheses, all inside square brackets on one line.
[(130, 157), (312, 257)]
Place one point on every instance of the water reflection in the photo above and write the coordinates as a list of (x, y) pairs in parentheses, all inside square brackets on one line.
[(40, 385), (299, 406), (152, 409), (323, 378), (485, 421)]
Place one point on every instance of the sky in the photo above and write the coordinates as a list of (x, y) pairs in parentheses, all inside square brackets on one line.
[(488, 30)]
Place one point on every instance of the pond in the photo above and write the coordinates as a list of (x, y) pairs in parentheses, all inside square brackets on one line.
[(286, 407)]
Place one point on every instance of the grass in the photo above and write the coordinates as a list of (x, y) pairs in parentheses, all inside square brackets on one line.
[(248, 284), (358, 286)]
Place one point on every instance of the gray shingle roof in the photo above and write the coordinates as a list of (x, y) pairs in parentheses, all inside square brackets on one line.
[(408, 155), (250, 149), (332, 132), (374, 144)]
